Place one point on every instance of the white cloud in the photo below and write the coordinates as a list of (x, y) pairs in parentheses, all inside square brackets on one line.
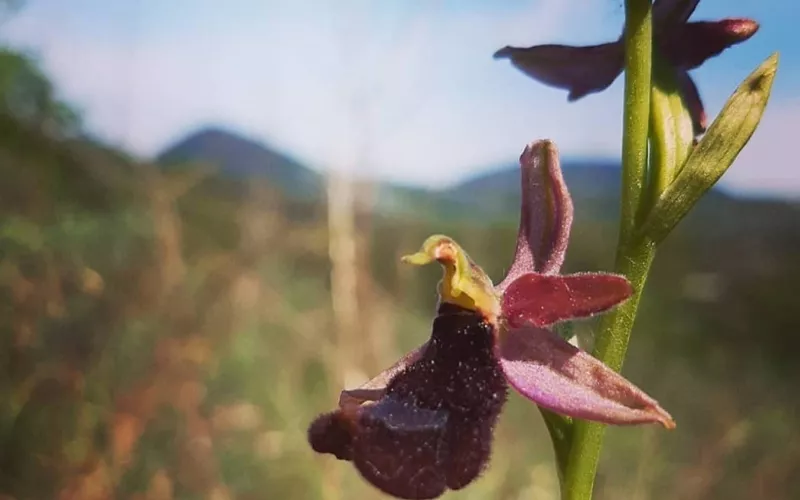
[(406, 95)]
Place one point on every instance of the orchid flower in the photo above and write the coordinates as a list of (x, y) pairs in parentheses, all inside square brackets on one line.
[(684, 45), (425, 425)]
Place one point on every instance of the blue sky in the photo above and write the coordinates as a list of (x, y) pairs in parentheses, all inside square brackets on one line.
[(402, 90)]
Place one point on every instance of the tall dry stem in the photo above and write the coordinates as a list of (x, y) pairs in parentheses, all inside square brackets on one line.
[(344, 271)]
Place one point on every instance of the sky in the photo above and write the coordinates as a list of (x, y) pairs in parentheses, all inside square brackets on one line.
[(399, 90)]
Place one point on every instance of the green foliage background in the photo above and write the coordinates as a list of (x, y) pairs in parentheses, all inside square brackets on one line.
[(168, 333)]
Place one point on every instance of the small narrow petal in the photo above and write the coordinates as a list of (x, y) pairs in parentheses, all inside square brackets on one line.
[(560, 377), (542, 300), (696, 42), (545, 214), (580, 70), (691, 97)]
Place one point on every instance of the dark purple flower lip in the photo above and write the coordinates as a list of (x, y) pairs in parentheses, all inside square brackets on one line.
[(431, 427), (425, 424), (684, 45)]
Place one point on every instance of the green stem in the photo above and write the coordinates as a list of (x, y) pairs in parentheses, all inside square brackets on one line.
[(615, 328), (636, 114), (633, 257)]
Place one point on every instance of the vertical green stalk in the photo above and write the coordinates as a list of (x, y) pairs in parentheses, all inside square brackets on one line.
[(633, 257), (636, 114)]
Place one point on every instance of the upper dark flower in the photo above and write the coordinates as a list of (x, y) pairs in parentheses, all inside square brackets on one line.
[(425, 424), (684, 45)]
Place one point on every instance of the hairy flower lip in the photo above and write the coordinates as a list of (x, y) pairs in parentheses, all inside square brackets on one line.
[(429, 431)]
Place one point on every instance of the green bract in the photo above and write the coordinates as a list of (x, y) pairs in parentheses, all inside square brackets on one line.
[(715, 152)]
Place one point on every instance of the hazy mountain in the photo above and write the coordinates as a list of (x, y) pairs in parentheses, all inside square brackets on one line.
[(239, 157), (488, 195), (593, 183)]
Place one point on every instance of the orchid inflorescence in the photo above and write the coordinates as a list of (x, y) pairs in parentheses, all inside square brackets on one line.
[(426, 424)]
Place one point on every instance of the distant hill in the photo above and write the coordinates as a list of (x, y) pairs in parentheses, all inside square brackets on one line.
[(593, 183), (239, 157), (488, 195)]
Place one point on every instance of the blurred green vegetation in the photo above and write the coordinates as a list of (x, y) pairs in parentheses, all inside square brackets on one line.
[(168, 333)]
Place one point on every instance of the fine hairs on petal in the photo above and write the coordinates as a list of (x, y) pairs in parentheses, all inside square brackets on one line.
[(432, 427), (545, 214), (558, 376), (541, 300)]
